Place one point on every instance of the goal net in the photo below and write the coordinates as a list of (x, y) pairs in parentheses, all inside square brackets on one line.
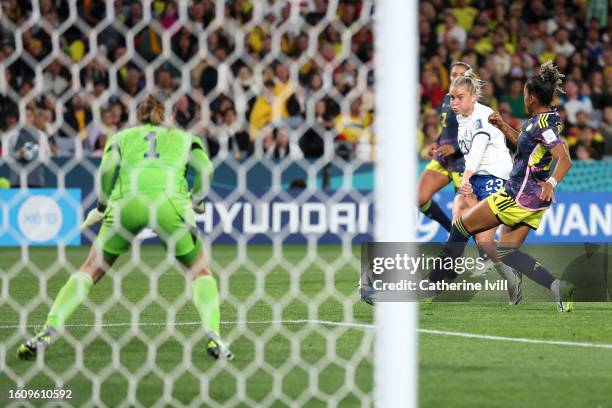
[(281, 93)]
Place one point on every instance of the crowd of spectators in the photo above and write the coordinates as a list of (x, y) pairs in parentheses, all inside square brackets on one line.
[(276, 77), (250, 76), (505, 42)]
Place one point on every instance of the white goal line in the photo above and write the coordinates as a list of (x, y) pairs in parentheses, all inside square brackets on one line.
[(354, 325)]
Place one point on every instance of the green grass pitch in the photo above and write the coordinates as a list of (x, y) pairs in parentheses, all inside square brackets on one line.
[(286, 357)]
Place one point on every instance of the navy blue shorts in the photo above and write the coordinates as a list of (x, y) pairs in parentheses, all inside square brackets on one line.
[(484, 186)]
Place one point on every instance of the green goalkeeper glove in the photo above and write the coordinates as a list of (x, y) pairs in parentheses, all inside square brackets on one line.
[(197, 203), (199, 208), (93, 217)]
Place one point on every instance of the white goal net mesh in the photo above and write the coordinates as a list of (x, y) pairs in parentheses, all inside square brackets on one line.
[(281, 93)]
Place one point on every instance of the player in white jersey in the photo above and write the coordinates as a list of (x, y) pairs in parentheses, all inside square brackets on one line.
[(484, 148), (487, 165)]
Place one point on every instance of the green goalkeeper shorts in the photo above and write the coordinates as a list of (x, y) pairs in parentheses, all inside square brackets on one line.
[(172, 219)]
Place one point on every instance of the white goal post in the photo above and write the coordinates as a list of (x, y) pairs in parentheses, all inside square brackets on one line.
[(396, 64)]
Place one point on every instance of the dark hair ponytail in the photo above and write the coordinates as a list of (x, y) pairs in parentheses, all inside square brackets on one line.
[(547, 84)]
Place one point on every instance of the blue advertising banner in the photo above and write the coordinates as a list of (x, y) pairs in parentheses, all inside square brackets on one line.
[(574, 217), (291, 216), (338, 217), (40, 217)]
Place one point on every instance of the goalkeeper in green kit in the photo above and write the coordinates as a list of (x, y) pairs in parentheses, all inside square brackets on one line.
[(142, 184)]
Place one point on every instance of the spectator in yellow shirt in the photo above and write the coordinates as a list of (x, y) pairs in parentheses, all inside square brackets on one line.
[(353, 130), (465, 14), (549, 53), (352, 126), (269, 107)]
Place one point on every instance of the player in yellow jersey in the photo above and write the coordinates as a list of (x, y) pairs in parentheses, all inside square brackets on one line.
[(142, 184)]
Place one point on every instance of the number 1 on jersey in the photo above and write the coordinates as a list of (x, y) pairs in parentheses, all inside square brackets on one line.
[(152, 139)]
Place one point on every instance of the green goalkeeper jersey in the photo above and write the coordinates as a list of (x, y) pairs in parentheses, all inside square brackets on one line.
[(153, 159)]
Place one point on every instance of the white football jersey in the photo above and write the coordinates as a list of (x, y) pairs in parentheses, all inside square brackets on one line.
[(496, 160)]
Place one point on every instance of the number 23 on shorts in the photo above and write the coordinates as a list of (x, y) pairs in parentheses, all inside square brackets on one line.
[(494, 185)]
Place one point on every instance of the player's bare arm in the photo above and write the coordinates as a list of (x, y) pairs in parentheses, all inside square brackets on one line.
[(511, 134), (561, 155), (432, 149)]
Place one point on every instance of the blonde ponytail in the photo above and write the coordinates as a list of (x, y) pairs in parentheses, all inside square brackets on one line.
[(151, 111), (470, 82)]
